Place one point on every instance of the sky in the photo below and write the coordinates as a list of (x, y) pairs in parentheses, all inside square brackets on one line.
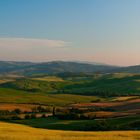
[(105, 31)]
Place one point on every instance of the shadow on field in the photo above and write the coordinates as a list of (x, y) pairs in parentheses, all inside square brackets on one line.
[(55, 124), (123, 123)]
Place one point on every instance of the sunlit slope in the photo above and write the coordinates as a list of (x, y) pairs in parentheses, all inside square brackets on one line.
[(107, 85), (19, 96), (21, 132), (118, 84)]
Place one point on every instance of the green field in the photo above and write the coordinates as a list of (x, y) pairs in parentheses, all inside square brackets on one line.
[(106, 85), (103, 90), (54, 90), (18, 96)]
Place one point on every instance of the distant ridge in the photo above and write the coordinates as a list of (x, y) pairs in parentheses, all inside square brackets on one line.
[(90, 62), (54, 67)]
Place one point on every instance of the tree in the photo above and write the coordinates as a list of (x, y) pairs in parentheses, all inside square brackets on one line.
[(33, 116), (53, 112), (27, 116)]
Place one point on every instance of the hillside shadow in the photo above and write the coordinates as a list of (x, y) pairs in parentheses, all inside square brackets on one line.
[(55, 124)]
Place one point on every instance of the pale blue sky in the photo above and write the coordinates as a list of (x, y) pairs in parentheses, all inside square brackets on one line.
[(93, 30)]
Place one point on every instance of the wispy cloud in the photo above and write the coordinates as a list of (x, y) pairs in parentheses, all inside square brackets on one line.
[(32, 49), (28, 43)]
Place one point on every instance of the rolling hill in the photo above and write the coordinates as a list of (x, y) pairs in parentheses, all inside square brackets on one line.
[(28, 68), (55, 67), (10, 131), (103, 85)]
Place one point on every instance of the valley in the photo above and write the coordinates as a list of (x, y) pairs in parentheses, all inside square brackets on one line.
[(70, 101)]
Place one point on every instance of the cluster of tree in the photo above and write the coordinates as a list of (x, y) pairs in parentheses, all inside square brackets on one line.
[(86, 109), (33, 116), (73, 75), (6, 114), (78, 113), (79, 91), (19, 114), (76, 116), (40, 109)]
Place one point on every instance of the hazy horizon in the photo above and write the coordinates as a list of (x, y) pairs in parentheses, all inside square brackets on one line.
[(102, 31), (74, 60)]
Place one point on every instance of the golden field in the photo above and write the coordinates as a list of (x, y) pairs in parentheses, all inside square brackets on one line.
[(9, 131)]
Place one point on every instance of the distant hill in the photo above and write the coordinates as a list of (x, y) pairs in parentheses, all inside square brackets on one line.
[(55, 67), (130, 69), (11, 66)]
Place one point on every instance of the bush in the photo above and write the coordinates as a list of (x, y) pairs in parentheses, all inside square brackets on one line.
[(16, 111), (33, 116), (43, 116), (27, 116), (15, 117)]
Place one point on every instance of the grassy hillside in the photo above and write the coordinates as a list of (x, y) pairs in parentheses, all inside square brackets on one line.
[(107, 85), (17, 96), (33, 85), (10, 131)]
